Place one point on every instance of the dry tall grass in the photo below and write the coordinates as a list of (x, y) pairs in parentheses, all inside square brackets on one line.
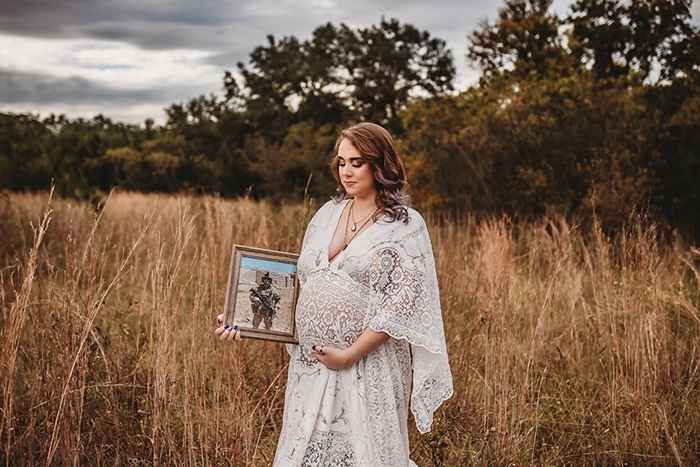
[(566, 348)]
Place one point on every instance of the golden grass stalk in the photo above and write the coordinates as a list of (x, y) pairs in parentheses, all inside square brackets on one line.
[(93, 309), (12, 331)]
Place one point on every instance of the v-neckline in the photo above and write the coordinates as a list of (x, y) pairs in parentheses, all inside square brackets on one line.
[(333, 227)]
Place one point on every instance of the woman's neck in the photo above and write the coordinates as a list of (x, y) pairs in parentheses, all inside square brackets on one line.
[(366, 203)]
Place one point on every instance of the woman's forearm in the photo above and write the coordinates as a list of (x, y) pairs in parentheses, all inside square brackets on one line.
[(366, 343)]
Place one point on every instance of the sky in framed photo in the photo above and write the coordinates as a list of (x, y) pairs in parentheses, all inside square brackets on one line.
[(280, 267), (128, 60)]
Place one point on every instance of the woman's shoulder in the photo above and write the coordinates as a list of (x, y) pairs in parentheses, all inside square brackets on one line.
[(408, 234), (329, 205), (325, 209)]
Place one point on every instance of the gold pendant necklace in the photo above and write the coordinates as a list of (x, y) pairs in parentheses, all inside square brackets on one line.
[(354, 223), (355, 229)]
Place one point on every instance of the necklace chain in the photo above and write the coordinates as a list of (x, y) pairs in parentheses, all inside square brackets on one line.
[(354, 222), (355, 230)]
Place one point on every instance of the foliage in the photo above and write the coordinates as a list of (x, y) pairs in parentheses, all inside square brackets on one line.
[(287, 168), (617, 38), (342, 73), (549, 146), (23, 141), (523, 41)]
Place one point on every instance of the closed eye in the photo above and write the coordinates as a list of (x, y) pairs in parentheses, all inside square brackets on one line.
[(355, 163)]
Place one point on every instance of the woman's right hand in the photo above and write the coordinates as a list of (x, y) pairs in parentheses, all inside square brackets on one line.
[(227, 332)]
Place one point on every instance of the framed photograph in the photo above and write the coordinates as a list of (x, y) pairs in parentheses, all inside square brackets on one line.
[(262, 293)]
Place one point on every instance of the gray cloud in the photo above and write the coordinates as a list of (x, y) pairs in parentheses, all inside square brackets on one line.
[(154, 26), (228, 59), (235, 25), (219, 26), (35, 88), (206, 25)]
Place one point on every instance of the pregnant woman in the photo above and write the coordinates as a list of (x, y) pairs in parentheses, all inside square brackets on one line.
[(368, 317)]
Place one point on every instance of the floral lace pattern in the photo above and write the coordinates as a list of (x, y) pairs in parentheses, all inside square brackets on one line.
[(405, 303), (329, 449), (384, 280)]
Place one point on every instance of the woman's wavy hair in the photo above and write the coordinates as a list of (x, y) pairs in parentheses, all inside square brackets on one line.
[(376, 146)]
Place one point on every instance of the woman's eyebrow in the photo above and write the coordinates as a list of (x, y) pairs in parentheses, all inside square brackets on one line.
[(354, 158)]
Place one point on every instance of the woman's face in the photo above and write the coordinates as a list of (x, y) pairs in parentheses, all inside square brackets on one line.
[(355, 174)]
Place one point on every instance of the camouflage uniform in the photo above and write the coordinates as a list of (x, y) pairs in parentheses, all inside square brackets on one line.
[(264, 300)]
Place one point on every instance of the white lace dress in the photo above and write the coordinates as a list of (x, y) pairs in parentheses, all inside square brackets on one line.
[(385, 280)]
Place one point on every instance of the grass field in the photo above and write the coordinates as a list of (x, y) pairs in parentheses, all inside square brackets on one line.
[(566, 348)]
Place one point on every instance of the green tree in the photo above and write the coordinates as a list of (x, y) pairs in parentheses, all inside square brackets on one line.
[(678, 140), (567, 146), (158, 165), (23, 142), (385, 64), (341, 73), (302, 158), (524, 41), (77, 142), (615, 38), (214, 131)]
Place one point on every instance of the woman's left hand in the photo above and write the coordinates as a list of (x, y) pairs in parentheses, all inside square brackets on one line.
[(335, 359)]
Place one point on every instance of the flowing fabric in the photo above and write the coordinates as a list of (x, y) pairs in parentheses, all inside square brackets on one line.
[(384, 280)]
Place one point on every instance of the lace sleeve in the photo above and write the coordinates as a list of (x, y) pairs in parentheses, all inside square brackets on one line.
[(405, 303)]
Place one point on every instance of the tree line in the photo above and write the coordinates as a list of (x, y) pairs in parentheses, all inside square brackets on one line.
[(596, 112)]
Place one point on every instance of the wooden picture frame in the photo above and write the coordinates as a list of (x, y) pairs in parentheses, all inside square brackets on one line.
[(262, 293)]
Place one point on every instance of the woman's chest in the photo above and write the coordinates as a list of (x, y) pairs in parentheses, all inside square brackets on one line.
[(352, 262)]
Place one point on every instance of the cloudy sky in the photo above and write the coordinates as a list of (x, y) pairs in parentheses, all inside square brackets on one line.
[(129, 59)]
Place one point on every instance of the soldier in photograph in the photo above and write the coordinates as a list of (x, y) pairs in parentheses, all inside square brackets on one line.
[(264, 301)]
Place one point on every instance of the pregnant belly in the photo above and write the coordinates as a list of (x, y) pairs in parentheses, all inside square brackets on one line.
[(330, 310)]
